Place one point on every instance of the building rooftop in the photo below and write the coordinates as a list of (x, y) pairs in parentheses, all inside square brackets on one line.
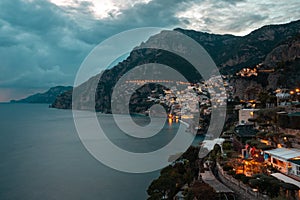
[(294, 114), (286, 179), (250, 109), (245, 130), (296, 161), (284, 153)]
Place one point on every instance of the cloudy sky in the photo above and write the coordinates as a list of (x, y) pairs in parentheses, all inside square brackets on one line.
[(43, 42)]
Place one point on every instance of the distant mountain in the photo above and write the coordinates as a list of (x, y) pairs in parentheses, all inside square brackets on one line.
[(45, 98), (232, 53), (269, 46)]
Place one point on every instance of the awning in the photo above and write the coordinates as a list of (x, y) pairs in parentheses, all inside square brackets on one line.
[(286, 179)]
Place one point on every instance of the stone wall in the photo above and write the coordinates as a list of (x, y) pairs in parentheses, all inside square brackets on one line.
[(243, 191)]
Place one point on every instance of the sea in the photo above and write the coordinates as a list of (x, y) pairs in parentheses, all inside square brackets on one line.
[(42, 157)]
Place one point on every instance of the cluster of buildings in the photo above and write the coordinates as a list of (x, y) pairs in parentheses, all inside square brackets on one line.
[(188, 100), (269, 146), (247, 72), (287, 97), (254, 71)]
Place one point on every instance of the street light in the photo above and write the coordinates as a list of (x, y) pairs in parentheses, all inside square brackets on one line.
[(295, 93)]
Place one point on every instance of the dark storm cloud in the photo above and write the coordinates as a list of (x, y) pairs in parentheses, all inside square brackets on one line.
[(36, 16), (237, 16), (155, 13), (38, 45), (233, 1), (246, 20), (42, 45)]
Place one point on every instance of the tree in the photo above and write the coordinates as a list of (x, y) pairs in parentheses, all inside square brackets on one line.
[(175, 176), (261, 134), (215, 153), (268, 115), (201, 191), (263, 97), (227, 146), (191, 154), (162, 188), (237, 99), (188, 176), (287, 139), (274, 137), (266, 184)]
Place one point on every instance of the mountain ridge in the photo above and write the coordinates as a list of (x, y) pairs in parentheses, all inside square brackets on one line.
[(230, 53), (47, 97)]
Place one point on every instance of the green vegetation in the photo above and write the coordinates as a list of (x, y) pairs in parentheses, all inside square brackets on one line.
[(265, 184), (268, 116), (227, 146), (271, 186), (200, 190), (175, 176), (227, 167), (265, 97)]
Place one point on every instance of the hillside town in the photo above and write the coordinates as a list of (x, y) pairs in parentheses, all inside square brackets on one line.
[(258, 154)]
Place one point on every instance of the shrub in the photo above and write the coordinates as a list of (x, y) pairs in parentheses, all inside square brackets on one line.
[(239, 176), (231, 172), (227, 146), (227, 167), (245, 179)]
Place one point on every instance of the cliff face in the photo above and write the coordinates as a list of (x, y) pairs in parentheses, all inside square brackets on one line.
[(275, 46), (289, 51), (283, 66), (286, 61), (45, 98), (232, 53)]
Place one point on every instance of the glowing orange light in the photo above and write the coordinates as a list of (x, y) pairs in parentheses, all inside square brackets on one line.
[(292, 92), (297, 90)]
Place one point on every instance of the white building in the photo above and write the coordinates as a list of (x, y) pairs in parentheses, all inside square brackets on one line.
[(287, 161), (245, 115)]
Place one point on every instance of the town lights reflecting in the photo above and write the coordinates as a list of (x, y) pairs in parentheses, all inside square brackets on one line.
[(170, 120)]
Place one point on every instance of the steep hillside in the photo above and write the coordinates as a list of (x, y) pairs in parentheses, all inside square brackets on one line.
[(47, 97), (232, 53), (283, 71), (270, 45)]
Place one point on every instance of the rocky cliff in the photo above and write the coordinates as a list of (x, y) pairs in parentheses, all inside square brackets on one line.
[(280, 69)]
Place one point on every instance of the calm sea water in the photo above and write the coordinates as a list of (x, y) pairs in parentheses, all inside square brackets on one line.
[(43, 158)]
